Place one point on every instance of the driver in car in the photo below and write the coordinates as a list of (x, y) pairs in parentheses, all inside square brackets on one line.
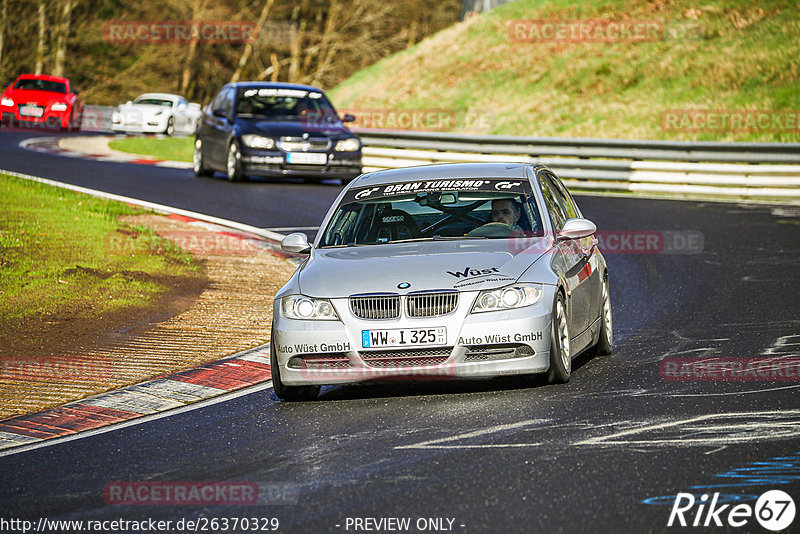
[(505, 216)]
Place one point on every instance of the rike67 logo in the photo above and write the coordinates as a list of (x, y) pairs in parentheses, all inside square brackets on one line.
[(774, 510)]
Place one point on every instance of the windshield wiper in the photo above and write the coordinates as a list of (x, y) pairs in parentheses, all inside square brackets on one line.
[(437, 238)]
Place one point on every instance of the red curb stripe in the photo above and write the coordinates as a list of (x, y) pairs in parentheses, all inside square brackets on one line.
[(76, 420), (145, 161), (20, 427), (224, 376), (181, 218)]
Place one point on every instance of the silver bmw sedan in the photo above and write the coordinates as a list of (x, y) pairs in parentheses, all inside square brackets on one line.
[(442, 271)]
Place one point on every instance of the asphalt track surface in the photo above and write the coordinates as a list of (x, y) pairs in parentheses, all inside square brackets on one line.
[(605, 453)]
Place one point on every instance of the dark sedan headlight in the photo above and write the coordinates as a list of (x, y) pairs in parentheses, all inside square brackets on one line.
[(59, 107), (507, 298), (351, 144), (308, 308), (258, 141)]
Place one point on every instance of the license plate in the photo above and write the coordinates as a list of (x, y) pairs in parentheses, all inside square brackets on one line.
[(306, 158), (403, 337), (31, 111)]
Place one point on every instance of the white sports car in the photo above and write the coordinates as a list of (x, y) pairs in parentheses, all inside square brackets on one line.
[(157, 113), (468, 270)]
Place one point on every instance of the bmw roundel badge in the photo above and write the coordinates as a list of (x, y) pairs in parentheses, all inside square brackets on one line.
[(403, 285)]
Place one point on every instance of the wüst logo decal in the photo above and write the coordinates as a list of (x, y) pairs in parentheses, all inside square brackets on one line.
[(469, 272)]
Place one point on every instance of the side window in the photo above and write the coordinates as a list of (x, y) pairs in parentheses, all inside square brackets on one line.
[(566, 208), (229, 97), (556, 211), (572, 206), (218, 101)]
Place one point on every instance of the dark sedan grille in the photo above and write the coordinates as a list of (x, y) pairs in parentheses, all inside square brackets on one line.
[(432, 304), (298, 144), (375, 306)]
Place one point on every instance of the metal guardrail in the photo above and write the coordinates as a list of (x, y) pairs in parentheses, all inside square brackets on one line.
[(682, 168)]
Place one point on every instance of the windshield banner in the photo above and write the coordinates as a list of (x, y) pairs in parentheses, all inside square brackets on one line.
[(515, 186)]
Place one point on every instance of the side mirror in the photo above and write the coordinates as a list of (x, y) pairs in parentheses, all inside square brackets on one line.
[(128, 103), (220, 112), (577, 228), (76, 92), (349, 118), (296, 243)]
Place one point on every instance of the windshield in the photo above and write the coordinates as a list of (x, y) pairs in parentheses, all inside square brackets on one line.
[(434, 210), (154, 102), (41, 85), (286, 105)]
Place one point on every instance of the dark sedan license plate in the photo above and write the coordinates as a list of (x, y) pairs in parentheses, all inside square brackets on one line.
[(306, 158), (403, 337)]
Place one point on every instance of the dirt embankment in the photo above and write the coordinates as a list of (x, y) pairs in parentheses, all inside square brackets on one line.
[(196, 321)]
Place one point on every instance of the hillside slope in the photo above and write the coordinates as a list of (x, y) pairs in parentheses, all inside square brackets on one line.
[(702, 66)]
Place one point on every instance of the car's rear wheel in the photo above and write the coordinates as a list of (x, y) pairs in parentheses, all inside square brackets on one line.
[(282, 391), (170, 129), (234, 163), (604, 344), (560, 350), (198, 162)]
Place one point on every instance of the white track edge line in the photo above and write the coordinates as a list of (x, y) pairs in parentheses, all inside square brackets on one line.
[(261, 232), (139, 420)]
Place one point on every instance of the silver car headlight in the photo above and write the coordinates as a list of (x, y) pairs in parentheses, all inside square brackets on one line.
[(59, 107), (351, 144), (7, 102), (258, 141), (506, 298), (308, 308)]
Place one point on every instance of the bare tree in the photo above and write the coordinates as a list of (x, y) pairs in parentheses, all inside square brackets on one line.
[(3, 18), (248, 49), (63, 35), (40, 46)]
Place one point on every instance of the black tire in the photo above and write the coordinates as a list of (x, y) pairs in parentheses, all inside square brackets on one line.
[(233, 163), (198, 161), (605, 342), (282, 391), (560, 354), (170, 129)]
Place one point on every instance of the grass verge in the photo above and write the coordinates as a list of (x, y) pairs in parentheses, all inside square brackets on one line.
[(709, 64), (66, 260), (167, 148)]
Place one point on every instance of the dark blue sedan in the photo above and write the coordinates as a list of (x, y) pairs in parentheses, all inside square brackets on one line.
[(273, 130)]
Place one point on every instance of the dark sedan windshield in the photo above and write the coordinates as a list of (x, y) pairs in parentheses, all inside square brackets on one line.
[(279, 104), (365, 217)]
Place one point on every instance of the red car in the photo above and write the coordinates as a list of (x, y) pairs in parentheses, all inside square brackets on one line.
[(39, 100)]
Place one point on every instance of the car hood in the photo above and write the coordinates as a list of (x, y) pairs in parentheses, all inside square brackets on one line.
[(149, 109), (291, 129), (21, 96), (466, 265)]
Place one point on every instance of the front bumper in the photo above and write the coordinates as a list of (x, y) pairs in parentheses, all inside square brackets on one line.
[(270, 163), (50, 119), (478, 345)]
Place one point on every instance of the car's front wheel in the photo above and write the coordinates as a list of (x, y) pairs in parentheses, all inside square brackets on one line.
[(198, 162), (604, 344), (282, 391), (560, 353), (170, 129), (234, 163)]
